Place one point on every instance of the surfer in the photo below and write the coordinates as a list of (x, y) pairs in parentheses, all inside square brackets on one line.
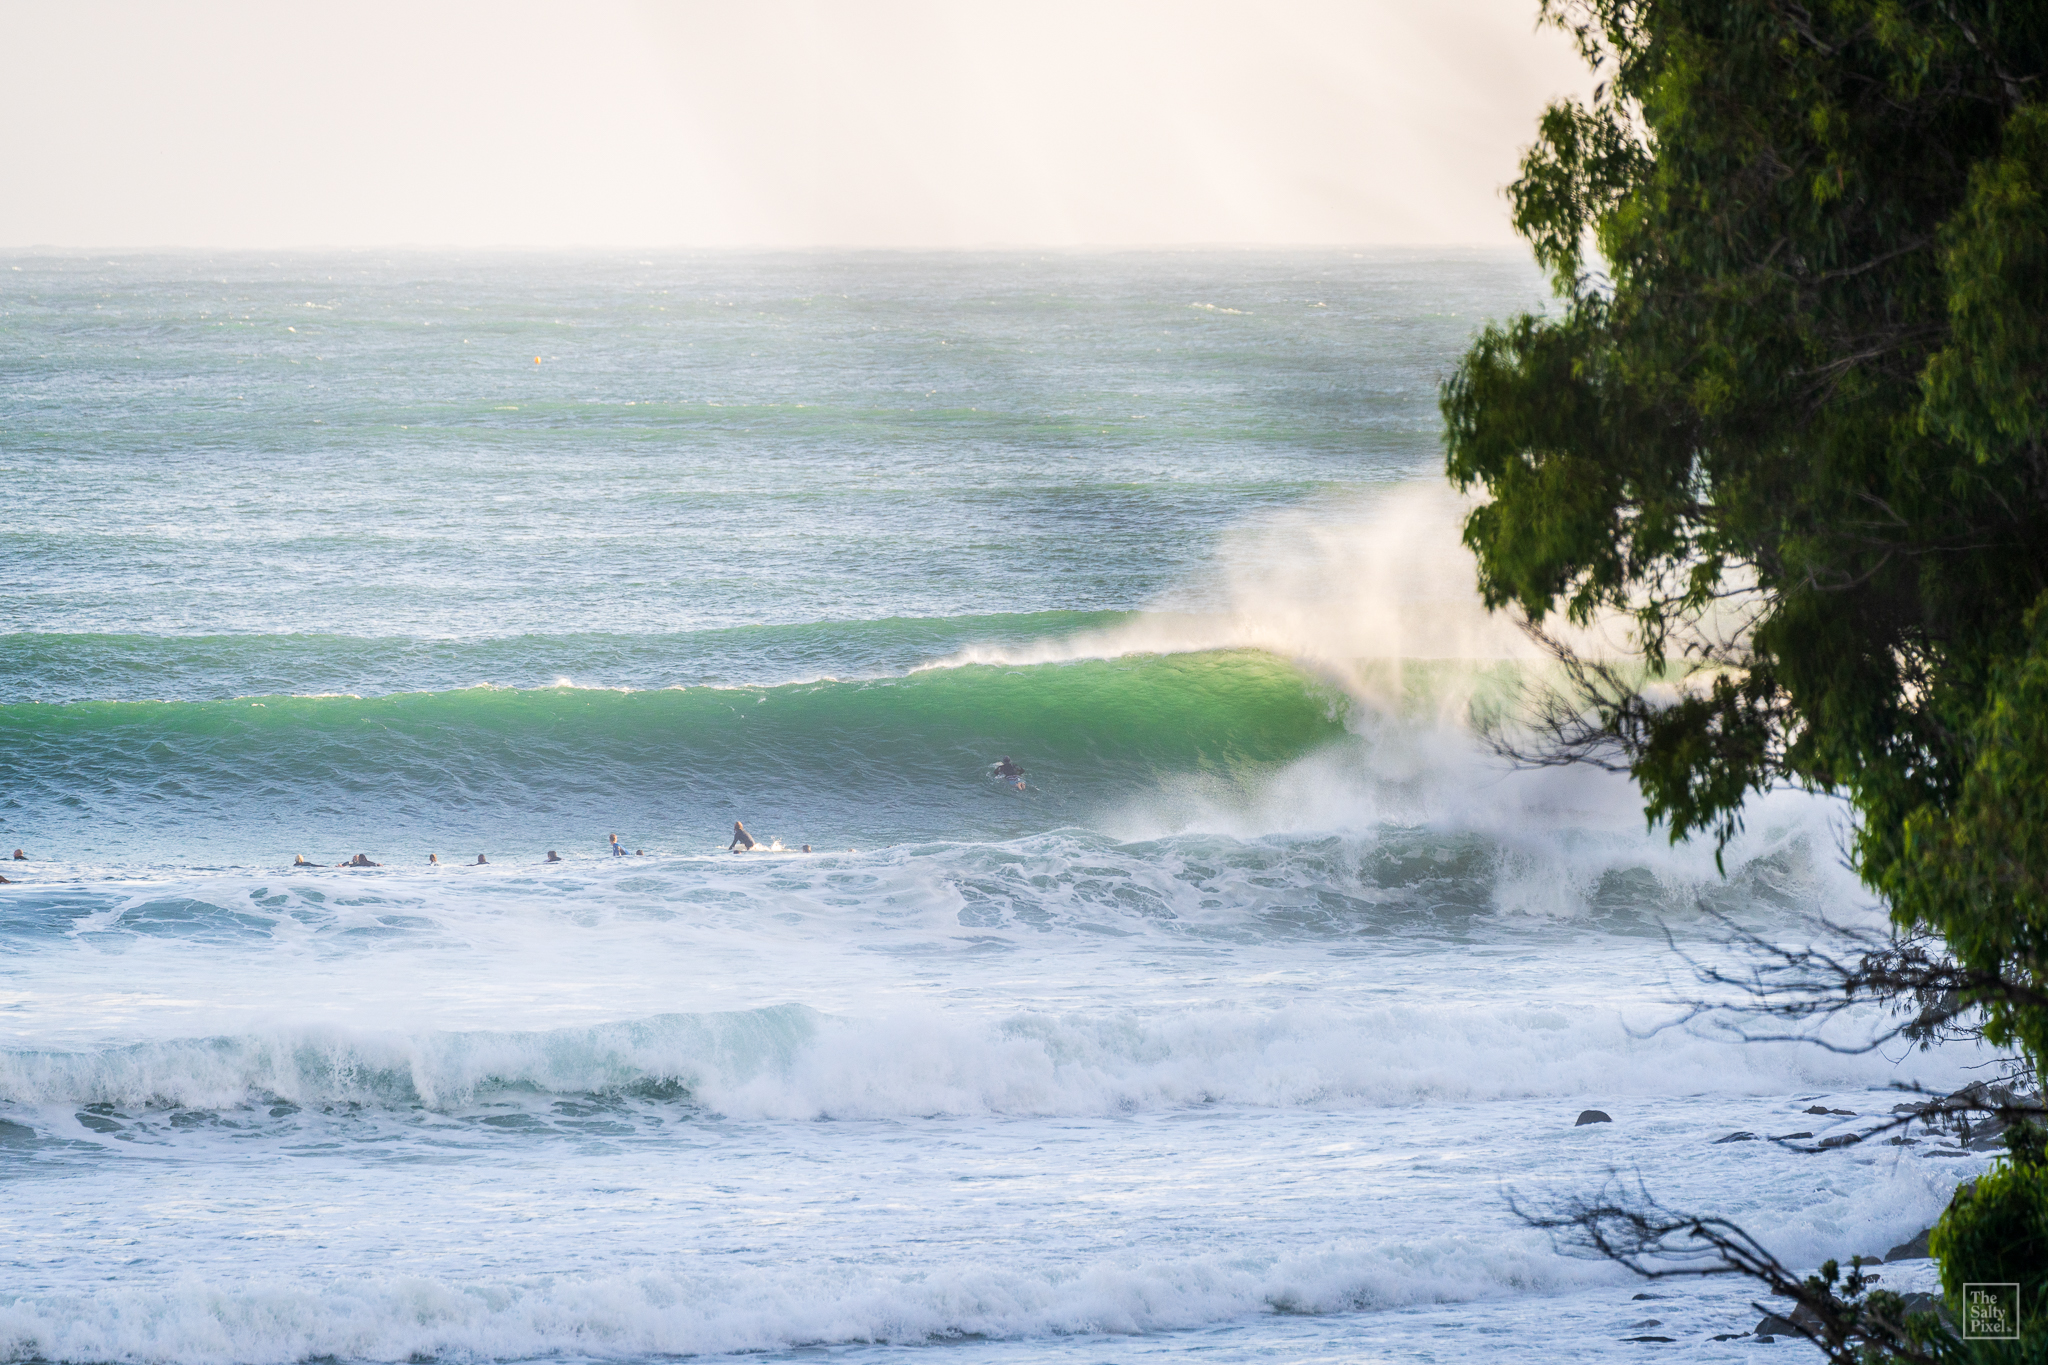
[(1006, 769), (482, 861), (361, 860), (555, 857), (19, 856), (618, 849), (299, 860), (739, 837), (433, 860)]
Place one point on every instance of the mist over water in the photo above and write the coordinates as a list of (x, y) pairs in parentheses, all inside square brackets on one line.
[(1230, 1026)]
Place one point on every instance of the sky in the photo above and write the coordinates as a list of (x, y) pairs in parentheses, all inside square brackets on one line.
[(769, 123)]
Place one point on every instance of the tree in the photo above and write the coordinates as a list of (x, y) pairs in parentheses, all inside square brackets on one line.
[(1790, 421)]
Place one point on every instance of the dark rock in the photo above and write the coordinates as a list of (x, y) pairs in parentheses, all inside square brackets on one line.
[(1823, 1109), (1914, 1248), (1841, 1140), (1638, 1298), (1646, 1322), (1587, 1116), (1787, 1137), (1737, 1136), (1801, 1320), (1649, 1338), (1729, 1336)]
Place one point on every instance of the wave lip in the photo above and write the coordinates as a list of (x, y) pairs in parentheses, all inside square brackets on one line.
[(51, 667)]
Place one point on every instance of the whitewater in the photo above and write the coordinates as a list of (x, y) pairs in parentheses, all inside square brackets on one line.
[(1234, 1032)]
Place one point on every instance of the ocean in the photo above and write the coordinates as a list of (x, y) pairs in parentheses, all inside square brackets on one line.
[(1230, 1034)]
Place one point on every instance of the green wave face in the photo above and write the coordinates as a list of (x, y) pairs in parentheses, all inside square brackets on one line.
[(496, 769)]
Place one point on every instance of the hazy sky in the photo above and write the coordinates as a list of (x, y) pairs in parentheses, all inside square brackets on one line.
[(768, 122)]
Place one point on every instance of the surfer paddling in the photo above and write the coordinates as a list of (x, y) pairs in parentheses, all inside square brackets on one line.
[(741, 840), (618, 849), (1006, 768)]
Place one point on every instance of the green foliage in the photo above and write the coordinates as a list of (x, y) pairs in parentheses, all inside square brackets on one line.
[(1797, 431), (1789, 419), (1975, 868), (1995, 1231)]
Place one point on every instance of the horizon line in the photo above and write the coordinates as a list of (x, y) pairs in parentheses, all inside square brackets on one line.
[(1100, 248)]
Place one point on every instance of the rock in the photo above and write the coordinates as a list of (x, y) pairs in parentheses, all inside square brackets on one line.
[(1729, 1336), (1638, 1298), (1841, 1140), (1801, 1321), (1587, 1116), (1823, 1109), (1787, 1137), (1646, 1322), (1649, 1338), (1914, 1248), (1737, 1136)]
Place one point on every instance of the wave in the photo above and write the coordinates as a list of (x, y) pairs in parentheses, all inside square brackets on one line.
[(884, 759), (672, 1311), (792, 1062)]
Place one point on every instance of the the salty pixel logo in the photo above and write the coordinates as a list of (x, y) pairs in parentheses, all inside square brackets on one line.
[(1991, 1312)]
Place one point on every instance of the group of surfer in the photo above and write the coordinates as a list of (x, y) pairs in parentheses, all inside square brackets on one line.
[(742, 840), (434, 859)]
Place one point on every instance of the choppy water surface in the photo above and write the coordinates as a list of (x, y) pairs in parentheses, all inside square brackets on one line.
[(1227, 1033)]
